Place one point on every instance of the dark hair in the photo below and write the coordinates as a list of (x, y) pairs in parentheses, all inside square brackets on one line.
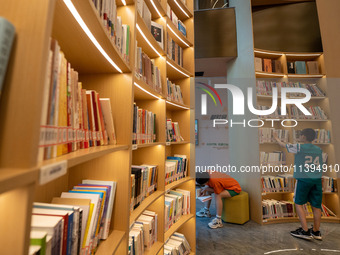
[(202, 178), (309, 133)]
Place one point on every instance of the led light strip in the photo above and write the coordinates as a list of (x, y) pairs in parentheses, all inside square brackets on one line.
[(146, 39), (82, 24), (271, 74), (177, 69), (303, 55), (268, 53), (181, 8), (146, 91), (123, 1), (177, 35), (305, 75), (178, 105), (154, 6)]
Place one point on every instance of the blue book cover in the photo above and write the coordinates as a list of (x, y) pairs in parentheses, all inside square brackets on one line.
[(300, 67)]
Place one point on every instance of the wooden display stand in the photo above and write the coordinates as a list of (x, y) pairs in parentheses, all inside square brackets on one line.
[(36, 21)]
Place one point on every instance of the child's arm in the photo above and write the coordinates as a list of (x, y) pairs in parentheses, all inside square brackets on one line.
[(278, 140)]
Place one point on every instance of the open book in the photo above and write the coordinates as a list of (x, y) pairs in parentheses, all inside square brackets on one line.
[(204, 198)]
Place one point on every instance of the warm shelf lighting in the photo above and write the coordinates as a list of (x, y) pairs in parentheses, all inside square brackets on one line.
[(87, 31), (181, 8), (303, 55), (123, 1), (177, 69), (268, 53), (271, 74), (146, 39), (147, 91), (178, 105), (155, 7), (177, 35)]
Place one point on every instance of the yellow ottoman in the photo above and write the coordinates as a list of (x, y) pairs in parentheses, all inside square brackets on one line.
[(236, 209)]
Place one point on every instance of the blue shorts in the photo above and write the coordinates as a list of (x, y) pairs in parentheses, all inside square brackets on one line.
[(308, 192)]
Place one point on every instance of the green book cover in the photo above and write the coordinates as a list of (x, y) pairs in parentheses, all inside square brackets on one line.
[(39, 238)]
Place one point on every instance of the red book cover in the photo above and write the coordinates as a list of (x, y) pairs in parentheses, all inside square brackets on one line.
[(85, 119), (95, 115), (69, 102)]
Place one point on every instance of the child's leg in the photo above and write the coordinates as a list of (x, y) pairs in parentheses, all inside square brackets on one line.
[(219, 203), (208, 191), (302, 216), (317, 218)]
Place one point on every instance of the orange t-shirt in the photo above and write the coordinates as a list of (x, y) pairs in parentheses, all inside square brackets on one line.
[(220, 181)]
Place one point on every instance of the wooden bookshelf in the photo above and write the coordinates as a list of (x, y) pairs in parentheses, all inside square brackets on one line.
[(101, 68)]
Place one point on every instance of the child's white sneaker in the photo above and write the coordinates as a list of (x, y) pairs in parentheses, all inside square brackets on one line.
[(203, 213), (215, 223)]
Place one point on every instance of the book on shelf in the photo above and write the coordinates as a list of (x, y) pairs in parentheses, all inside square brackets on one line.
[(174, 51), (313, 67), (144, 126), (176, 168), (267, 65), (300, 67), (322, 136), (329, 184), (291, 67), (177, 203), (266, 135), (146, 15), (258, 64), (177, 244), (144, 183), (280, 183), (7, 34), (174, 92), (157, 32), (276, 66), (316, 113), (182, 28), (39, 238), (272, 158), (173, 132), (276, 114)]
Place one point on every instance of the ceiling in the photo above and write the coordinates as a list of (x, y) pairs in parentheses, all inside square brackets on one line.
[(275, 2)]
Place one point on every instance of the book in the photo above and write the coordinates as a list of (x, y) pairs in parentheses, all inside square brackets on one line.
[(157, 33), (291, 67), (7, 34), (258, 64), (182, 28), (105, 105), (300, 67), (277, 65), (267, 65), (39, 238), (313, 67), (204, 198)]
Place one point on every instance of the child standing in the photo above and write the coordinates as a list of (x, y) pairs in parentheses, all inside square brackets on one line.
[(308, 187), (223, 186)]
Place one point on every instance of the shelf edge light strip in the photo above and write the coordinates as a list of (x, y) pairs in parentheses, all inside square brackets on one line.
[(303, 55), (178, 105), (177, 35), (268, 53), (181, 8), (271, 74), (177, 69), (82, 24), (124, 3), (146, 91), (146, 39), (155, 7)]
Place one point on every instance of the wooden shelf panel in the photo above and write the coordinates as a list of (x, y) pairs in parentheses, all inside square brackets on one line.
[(305, 75), (176, 72), (148, 43), (178, 143), (177, 183), (83, 155), (146, 202), (290, 192), (155, 248), (145, 145), (14, 178), (83, 55), (296, 219), (178, 7), (269, 75), (111, 243), (151, 5), (145, 92), (267, 54), (177, 225), (177, 35), (174, 106)]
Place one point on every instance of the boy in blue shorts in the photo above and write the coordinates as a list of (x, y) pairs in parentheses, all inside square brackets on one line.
[(308, 187)]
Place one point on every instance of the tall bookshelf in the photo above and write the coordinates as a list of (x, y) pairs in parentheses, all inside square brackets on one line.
[(330, 199), (36, 21)]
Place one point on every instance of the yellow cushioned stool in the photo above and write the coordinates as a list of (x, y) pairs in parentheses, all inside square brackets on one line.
[(236, 209)]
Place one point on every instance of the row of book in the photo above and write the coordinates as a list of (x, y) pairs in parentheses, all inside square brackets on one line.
[(279, 183), (276, 114), (266, 88), (72, 117), (268, 65), (76, 221), (177, 245), (144, 126), (273, 209), (174, 92), (272, 158), (173, 132), (175, 20), (143, 233), (329, 184), (266, 135), (148, 71), (303, 67), (119, 33), (176, 168), (174, 51), (143, 183), (177, 203), (316, 113), (322, 136)]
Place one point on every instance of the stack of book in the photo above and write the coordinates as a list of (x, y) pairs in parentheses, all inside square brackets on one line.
[(72, 118), (176, 21), (177, 203), (265, 88), (303, 67), (144, 126), (329, 184), (266, 135), (312, 88), (272, 158), (322, 136), (76, 221), (143, 183), (174, 51), (316, 111), (268, 65), (275, 115), (176, 168), (173, 132), (280, 183), (148, 71), (174, 92), (177, 244), (143, 233)]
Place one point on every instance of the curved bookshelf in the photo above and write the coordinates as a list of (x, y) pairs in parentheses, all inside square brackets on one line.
[(269, 75), (143, 91), (13, 178), (174, 106), (111, 243), (146, 145), (177, 36), (176, 72), (181, 10), (177, 225), (155, 8), (155, 248), (175, 184), (296, 219)]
